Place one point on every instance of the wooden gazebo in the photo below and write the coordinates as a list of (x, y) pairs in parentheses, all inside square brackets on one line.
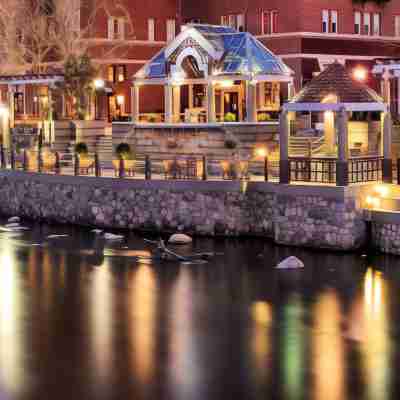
[(335, 95)]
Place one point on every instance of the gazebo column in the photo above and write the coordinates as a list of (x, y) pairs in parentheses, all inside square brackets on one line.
[(386, 86), (168, 103), (329, 131), (291, 90), (251, 101), (135, 93), (342, 164), (284, 166), (176, 95), (191, 96), (386, 139), (210, 102)]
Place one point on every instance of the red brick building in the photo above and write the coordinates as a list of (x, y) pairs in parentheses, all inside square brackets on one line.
[(309, 34)]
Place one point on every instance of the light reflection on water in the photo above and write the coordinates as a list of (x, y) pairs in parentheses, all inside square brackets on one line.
[(87, 324)]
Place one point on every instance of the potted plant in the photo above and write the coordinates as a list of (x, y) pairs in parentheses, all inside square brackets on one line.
[(81, 149), (124, 151), (264, 117), (230, 117)]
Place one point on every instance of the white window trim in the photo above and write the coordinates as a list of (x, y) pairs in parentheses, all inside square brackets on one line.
[(325, 21), (171, 29), (397, 25), (357, 21), (367, 18), (376, 23), (334, 20), (151, 29)]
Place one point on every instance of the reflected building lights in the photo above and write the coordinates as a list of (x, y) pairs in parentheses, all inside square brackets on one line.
[(11, 349), (328, 349), (261, 313), (143, 302), (376, 346), (293, 348), (101, 320)]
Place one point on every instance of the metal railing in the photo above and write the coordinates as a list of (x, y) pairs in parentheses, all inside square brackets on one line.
[(365, 169), (318, 170)]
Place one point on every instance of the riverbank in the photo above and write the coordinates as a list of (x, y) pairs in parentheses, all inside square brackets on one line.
[(298, 215)]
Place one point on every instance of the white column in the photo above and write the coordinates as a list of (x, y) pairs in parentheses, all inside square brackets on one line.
[(191, 97), (386, 86), (210, 102), (386, 137), (329, 131), (251, 101), (11, 108), (168, 103), (135, 92), (343, 135), (291, 91), (176, 95)]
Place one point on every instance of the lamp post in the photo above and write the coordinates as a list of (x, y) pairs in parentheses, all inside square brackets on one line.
[(99, 85)]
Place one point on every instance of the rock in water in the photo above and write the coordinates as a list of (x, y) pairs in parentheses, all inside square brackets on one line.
[(97, 231), (11, 226), (180, 238), (290, 263), (111, 236), (14, 219)]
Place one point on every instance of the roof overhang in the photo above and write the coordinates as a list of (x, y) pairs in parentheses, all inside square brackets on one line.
[(320, 107), (198, 37), (31, 79)]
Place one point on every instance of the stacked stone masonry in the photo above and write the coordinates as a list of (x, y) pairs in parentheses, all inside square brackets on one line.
[(291, 215)]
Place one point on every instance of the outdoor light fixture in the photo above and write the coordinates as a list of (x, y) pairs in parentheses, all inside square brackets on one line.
[(373, 202), (382, 190), (35, 99), (99, 83), (261, 152), (120, 100), (360, 74), (226, 84), (3, 110)]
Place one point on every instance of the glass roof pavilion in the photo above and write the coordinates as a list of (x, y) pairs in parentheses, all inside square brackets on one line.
[(228, 63)]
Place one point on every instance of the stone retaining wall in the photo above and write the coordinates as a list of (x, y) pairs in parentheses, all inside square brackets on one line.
[(386, 231), (322, 217)]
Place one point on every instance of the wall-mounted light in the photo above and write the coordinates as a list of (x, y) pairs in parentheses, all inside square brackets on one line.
[(99, 83), (226, 84), (120, 99), (360, 74)]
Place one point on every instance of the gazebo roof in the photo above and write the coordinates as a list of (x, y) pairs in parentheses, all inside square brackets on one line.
[(334, 88), (229, 51)]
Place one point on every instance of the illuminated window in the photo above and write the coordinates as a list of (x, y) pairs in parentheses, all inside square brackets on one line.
[(377, 24), (367, 23), (116, 28), (116, 73), (269, 22), (171, 29), (151, 28), (397, 25), (357, 22)]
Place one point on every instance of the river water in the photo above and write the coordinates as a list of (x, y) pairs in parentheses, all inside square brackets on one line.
[(81, 318)]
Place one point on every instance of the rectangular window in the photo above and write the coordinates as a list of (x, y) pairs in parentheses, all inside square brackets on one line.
[(334, 22), (171, 29), (116, 28), (274, 21), (325, 21), (397, 25), (265, 23), (224, 20), (232, 21), (367, 23), (240, 22), (110, 73), (151, 29), (357, 22), (120, 73), (269, 22), (377, 24)]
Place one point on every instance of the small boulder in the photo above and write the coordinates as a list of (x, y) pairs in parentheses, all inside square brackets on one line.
[(97, 231), (180, 238), (290, 263), (112, 236), (13, 219)]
